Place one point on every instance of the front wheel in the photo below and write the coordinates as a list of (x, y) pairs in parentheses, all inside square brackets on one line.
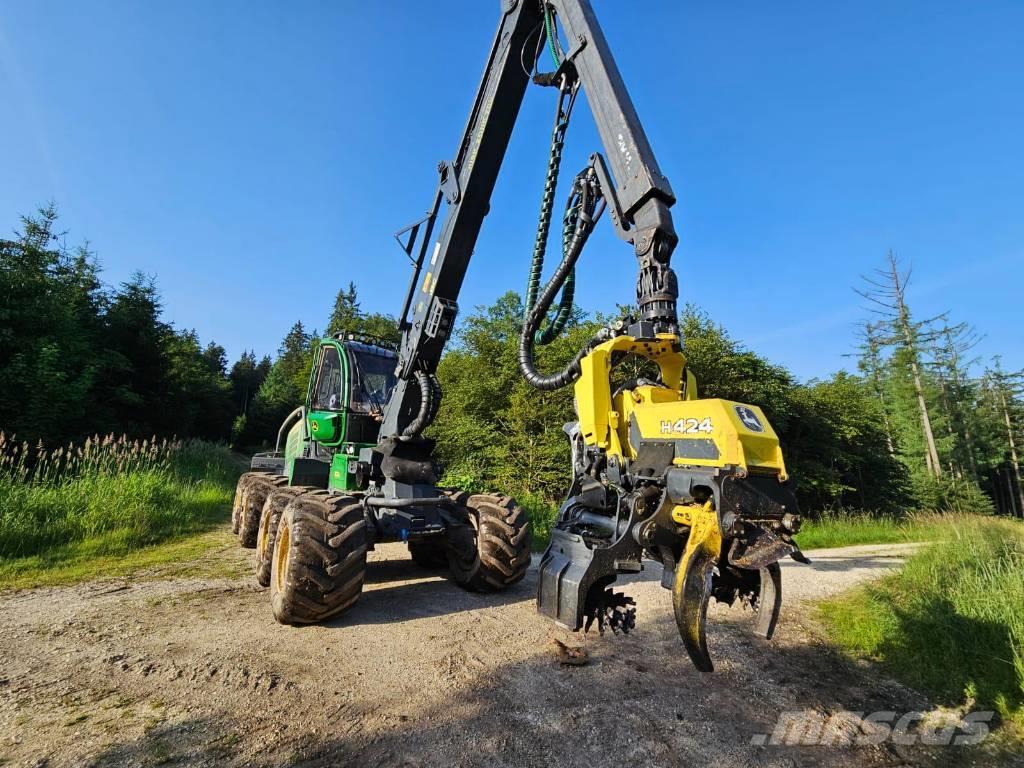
[(491, 551), (319, 558)]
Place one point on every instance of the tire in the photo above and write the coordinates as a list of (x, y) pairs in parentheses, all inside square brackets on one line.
[(236, 505), (319, 558), (491, 552), (255, 495), (428, 554), (273, 508)]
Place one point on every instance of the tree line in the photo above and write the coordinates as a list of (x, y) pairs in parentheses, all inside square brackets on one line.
[(956, 429), (78, 357), (915, 426)]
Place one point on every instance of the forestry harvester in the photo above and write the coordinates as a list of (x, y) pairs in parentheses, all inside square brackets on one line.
[(697, 485)]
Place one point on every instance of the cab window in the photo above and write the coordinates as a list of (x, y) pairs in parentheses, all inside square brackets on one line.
[(373, 382), (328, 386)]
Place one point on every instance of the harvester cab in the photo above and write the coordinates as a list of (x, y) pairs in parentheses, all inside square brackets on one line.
[(350, 382), (698, 486), (351, 379)]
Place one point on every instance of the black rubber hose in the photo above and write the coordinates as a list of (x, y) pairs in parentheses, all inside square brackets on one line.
[(563, 112), (535, 316), (427, 408)]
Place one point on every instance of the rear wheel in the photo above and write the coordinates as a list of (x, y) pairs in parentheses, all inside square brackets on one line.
[(236, 506), (253, 499), (273, 508), (319, 558), (492, 550)]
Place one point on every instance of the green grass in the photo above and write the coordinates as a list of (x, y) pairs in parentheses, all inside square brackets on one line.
[(81, 561), (845, 529), (108, 507), (951, 621), (542, 515)]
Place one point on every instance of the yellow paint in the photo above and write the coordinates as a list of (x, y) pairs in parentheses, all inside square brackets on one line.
[(705, 530), (605, 422)]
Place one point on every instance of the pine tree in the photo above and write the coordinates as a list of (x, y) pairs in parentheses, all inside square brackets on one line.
[(1006, 389), (887, 291), (870, 364), (216, 359), (246, 377), (958, 392), (345, 315)]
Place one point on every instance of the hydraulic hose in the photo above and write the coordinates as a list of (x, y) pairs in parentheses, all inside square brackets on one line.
[(583, 202), (582, 210), (566, 99), (430, 401)]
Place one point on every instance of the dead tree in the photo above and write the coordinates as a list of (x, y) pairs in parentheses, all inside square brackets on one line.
[(887, 291)]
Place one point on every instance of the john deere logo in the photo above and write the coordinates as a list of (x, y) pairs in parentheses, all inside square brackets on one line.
[(749, 419), (315, 426)]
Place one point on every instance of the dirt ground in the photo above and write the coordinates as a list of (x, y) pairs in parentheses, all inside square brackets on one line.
[(194, 671)]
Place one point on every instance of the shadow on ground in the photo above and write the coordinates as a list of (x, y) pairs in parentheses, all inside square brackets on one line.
[(639, 703)]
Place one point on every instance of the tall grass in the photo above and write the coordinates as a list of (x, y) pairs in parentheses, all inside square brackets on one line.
[(844, 528), (108, 494), (951, 621)]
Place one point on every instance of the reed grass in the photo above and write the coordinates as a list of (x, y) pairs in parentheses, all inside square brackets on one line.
[(108, 495)]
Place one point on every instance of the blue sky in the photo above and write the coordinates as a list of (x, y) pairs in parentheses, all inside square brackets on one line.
[(256, 156)]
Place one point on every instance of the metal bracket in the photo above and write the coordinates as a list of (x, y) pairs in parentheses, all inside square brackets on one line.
[(579, 43), (441, 318), (449, 182), (413, 231)]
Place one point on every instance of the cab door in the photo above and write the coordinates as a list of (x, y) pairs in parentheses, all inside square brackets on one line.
[(328, 396)]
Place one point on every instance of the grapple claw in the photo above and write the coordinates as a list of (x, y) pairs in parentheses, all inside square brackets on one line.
[(690, 594), (693, 583)]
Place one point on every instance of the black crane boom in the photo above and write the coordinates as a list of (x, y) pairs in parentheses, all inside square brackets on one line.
[(637, 193)]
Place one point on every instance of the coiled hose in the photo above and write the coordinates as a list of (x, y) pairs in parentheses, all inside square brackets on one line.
[(584, 207), (430, 401), (566, 100)]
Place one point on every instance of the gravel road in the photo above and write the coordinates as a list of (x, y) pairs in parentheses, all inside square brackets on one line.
[(192, 670)]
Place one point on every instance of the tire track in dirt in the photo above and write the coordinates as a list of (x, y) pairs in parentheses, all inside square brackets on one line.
[(194, 671)]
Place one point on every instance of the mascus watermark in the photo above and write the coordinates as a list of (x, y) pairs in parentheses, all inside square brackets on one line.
[(845, 729)]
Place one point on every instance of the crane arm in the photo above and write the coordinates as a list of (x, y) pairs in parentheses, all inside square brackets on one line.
[(637, 194)]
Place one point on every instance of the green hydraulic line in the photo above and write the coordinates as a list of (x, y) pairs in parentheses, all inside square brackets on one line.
[(549, 28)]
